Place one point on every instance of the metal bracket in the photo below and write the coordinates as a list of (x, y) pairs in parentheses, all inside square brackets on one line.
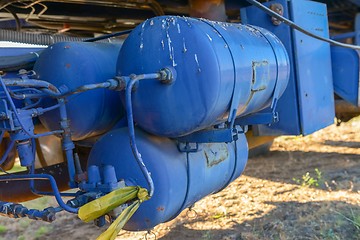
[(258, 118), (187, 147), (190, 143)]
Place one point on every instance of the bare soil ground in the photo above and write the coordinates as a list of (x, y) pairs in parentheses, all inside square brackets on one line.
[(304, 188)]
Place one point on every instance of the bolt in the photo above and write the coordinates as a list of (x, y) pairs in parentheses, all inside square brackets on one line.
[(279, 9), (167, 75)]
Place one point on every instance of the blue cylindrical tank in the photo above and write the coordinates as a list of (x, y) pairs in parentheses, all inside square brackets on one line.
[(73, 64), (214, 62), (180, 179)]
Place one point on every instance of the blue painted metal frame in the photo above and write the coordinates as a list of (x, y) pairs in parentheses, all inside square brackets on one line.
[(345, 63), (212, 136), (307, 104)]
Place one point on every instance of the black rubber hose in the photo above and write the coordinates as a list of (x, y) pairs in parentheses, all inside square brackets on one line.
[(37, 39), (106, 36)]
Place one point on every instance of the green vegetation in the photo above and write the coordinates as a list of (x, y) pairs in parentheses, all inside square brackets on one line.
[(354, 219), (42, 231), (3, 229), (308, 181)]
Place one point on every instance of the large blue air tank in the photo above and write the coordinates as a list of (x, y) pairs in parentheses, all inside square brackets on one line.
[(71, 65), (179, 182), (213, 61)]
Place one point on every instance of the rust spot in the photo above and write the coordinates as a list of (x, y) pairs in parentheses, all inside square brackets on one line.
[(147, 220), (160, 209), (67, 47), (68, 65), (52, 88)]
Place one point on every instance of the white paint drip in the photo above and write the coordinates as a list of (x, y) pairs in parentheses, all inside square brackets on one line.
[(197, 63)]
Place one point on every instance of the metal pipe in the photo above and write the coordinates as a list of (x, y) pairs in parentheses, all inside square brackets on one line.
[(31, 83), (43, 193), (67, 143), (80, 89), (18, 93), (130, 119)]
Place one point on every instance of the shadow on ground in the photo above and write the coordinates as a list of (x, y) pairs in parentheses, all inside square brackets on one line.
[(342, 144), (288, 220)]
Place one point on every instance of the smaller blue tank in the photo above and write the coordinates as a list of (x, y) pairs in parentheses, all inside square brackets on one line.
[(180, 179), (73, 64)]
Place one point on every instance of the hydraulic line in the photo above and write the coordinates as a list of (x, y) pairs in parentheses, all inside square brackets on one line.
[(129, 115)]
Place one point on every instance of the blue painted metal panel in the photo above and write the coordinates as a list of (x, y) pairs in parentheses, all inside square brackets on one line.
[(313, 66), (307, 104), (345, 66), (217, 64)]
